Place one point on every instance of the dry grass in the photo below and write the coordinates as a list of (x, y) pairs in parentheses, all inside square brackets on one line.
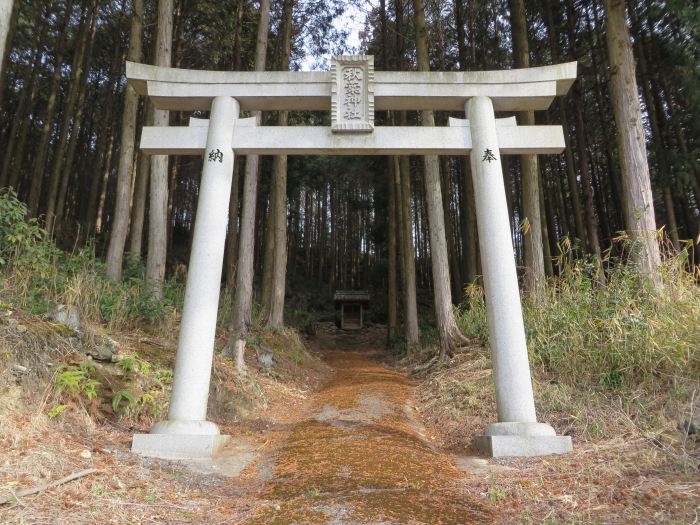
[(35, 448), (615, 367), (623, 472), (624, 469), (125, 490)]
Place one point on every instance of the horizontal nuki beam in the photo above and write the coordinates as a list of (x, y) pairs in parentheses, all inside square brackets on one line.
[(390, 140), (510, 90)]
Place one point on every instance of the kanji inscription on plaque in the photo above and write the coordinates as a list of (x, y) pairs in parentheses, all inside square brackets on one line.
[(352, 100)]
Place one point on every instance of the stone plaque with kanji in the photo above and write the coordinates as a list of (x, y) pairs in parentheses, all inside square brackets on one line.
[(352, 94)]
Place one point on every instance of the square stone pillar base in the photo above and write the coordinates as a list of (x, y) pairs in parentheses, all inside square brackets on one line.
[(522, 446), (178, 446)]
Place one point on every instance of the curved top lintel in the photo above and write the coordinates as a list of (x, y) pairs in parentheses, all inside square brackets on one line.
[(430, 87)]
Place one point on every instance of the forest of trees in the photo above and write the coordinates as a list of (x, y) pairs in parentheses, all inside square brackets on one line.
[(69, 129)]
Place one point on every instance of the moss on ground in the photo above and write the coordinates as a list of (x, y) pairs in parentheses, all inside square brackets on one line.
[(368, 469)]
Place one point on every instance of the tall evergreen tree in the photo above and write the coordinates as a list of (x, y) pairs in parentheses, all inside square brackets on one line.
[(117, 240), (449, 334), (529, 166), (6, 7), (241, 314), (158, 207), (639, 202)]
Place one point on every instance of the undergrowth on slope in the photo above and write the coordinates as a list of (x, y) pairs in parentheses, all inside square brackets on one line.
[(132, 381), (617, 367), (608, 360), (623, 334), (35, 276)]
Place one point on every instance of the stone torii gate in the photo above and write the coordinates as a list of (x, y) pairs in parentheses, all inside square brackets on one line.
[(352, 91)]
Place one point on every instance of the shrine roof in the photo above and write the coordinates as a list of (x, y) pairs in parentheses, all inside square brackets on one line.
[(351, 296)]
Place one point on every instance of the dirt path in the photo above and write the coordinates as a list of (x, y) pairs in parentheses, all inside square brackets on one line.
[(356, 456)]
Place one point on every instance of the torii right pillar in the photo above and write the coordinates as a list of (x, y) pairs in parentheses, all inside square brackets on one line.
[(517, 432)]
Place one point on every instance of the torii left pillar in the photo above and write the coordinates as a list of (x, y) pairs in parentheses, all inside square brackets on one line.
[(186, 434)]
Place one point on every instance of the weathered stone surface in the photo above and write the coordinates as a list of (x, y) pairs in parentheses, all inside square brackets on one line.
[(352, 94), (475, 465), (320, 140), (691, 426), (195, 350), (511, 369), (178, 446), (104, 349), (186, 434), (19, 370), (518, 433), (68, 316), (266, 358), (230, 461), (523, 446), (513, 89), (519, 429), (186, 427)]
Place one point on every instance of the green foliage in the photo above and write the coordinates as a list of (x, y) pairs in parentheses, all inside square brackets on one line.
[(496, 493), (254, 340), (428, 336), (302, 308), (99, 490), (618, 336), (132, 298), (298, 317), (56, 411), (146, 404), (128, 364), (296, 357), (75, 379), (164, 376), (313, 492), (472, 318), (123, 395), (37, 276), (127, 402), (20, 239), (132, 364)]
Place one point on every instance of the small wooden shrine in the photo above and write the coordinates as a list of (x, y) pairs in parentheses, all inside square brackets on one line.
[(352, 304)]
